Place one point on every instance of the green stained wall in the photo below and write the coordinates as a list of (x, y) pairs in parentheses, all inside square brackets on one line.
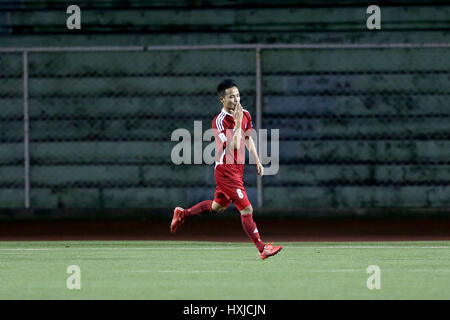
[(359, 128)]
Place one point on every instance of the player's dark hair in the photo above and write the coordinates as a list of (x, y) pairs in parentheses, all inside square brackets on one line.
[(224, 85)]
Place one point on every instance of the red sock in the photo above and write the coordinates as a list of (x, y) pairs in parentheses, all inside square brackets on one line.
[(199, 208), (250, 228)]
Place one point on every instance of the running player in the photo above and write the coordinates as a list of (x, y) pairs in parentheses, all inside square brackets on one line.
[(232, 127)]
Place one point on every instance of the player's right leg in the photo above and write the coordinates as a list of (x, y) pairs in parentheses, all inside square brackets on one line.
[(180, 214), (220, 203), (217, 207)]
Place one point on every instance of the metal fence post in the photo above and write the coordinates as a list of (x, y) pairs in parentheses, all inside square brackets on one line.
[(26, 130), (259, 185)]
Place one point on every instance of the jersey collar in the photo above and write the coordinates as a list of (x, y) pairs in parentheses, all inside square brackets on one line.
[(224, 111)]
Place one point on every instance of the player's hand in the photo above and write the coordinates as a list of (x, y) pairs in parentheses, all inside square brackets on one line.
[(238, 113), (259, 169)]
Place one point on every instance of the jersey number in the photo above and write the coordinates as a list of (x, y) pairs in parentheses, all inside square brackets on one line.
[(239, 192)]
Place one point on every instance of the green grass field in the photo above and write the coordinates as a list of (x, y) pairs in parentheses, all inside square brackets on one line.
[(219, 270)]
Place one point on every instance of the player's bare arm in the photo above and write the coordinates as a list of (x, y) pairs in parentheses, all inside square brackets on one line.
[(250, 144)]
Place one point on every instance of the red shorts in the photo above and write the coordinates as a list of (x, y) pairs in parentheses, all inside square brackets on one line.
[(228, 191)]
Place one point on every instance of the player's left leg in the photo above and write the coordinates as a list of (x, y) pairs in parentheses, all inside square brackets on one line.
[(235, 191), (250, 226), (265, 250)]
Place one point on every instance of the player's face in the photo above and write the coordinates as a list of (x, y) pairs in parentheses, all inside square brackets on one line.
[(231, 98)]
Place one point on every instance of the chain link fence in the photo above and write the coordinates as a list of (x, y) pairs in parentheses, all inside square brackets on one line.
[(358, 127), (12, 183)]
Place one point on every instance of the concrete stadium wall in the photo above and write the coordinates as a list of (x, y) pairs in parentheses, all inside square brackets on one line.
[(101, 122), (202, 22)]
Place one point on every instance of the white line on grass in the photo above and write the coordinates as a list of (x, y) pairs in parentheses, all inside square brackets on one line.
[(221, 271), (297, 271), (224, 271), (148, 248), (174, 271), (225, 248), (363, 271), (189, 271), (368, 247), (428, 270), (327, 271)]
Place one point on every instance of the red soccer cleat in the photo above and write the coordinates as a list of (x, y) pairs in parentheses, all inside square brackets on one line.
[(269, 251), (177, 220)]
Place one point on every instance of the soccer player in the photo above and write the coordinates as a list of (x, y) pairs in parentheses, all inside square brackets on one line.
[(232, 127)]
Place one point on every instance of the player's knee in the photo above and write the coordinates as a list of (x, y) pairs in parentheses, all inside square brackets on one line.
[(216, 208), (220, 210), (248, 210)]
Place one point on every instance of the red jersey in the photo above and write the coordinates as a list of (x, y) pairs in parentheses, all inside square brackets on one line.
[(229, 163)]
